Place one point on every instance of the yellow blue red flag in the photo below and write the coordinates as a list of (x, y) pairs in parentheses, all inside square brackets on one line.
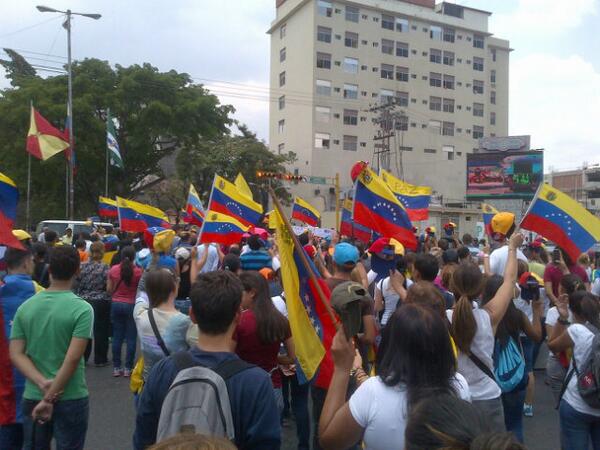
[(415, 199), (136, 216), (225, 198), (221, 229), (107, 207), (305, 212), (194, 208), (488, 212)]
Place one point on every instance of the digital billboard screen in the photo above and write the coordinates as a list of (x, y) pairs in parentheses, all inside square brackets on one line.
[(504, 174)]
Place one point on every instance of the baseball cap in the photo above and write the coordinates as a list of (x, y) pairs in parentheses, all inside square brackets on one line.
[(346, 301), (182, 253), (387, 246), (345, 253), (143, 257), (310, 250), (501, 224), (21, 235), (525, 277), (449, 225)]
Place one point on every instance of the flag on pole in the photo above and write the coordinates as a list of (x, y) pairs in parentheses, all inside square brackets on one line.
[(136, 216), (221, 229), (44, 140), (242, 185), (350, 228), (556, 216), (488, 213), (305, 212), (415, 199), (70, 151), (114, 152), (107, 207), (225, 198), (194, 209), (9, 197)]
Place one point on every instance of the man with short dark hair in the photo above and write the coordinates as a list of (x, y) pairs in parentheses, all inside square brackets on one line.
[(216, 309), (426, 268), (257, 257), (49, 336)]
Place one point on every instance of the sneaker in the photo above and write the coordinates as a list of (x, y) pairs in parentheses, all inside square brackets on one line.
[(127, 373), (117, 372), (104, 364), (528, 410)]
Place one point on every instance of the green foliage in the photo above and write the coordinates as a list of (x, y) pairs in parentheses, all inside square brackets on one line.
[(17, 67)]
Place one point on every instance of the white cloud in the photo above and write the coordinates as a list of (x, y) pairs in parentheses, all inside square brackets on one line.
[(557, 101)]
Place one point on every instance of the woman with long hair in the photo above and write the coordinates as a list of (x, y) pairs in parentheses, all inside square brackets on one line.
[(262, 330), (123, 280), (418, 362), (473, 330), (579, 422)]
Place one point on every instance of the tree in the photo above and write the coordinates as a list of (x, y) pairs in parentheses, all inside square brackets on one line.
[(17, 67), (158, 113)]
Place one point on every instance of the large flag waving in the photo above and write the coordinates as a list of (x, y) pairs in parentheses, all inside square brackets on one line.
[(114, 152), (558, 217), (376, 207), (43, 140), (242, 185), (305, 212), (225, 198), (194, 209), (415, 199), (221, 229), (135, 216), (107, 207), (488, 214), (350, 228), (9, 197)]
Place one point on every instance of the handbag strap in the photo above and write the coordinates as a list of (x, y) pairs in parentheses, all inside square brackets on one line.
[(481, 365), (159, 338)]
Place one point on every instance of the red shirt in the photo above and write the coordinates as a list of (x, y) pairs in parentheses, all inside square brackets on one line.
[(554, 274), (122, 291), (252, 350)]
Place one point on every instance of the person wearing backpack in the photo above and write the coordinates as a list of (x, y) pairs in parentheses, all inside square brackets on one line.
[(580, 400), (510, 367), (208, 389)]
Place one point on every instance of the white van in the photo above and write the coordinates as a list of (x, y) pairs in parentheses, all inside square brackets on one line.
[(78, 226)]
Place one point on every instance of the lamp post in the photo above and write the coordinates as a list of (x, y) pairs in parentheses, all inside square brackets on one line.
[(68, 13)]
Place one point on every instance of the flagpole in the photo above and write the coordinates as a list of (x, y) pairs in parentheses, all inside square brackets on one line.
[(28, 189), (70, 111), (535, 197), (67, 197), (107, 159)]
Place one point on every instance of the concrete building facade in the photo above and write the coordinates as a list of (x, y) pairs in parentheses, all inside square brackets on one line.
[(332, 62), (581, 184)]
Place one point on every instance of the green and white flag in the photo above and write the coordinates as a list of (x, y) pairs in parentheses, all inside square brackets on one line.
[(114, 153)]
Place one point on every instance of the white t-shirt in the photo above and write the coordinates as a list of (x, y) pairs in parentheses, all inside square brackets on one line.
[(212, 260), (382, 411), (482, 387), (279, 303), (596, 287), (390, 297), (552, 316), (499, 258), (582, 345)]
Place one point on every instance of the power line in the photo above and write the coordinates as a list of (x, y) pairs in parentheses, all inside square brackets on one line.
[(30, 27)]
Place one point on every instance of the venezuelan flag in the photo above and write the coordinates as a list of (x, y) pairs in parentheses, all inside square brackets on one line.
[(305, 212), (225, 198), (221, 229), (415, 199), (9, 197), (558, 217), (194, 208), (305, 322), (376, 207), (135, 216), (488, 213), (350, 228), (107, 207)]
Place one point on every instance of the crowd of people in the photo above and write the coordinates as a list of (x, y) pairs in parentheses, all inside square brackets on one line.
[(435, 348)]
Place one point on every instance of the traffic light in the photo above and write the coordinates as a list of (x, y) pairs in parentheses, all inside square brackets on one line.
[(281, 176)]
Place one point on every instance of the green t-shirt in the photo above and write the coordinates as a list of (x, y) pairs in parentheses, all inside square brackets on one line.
[(537, 268), (47, 322)]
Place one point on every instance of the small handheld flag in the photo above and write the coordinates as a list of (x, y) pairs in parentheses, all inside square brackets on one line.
[(107, 207), (350, 228), (43, 140), (305, 212), (221, 229), (136, 216), (488, 213), (194, 209)]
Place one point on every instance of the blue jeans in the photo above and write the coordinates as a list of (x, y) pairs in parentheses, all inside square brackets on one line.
[(528, 349), (123, 328), (11, 436), (68, 426), (578, 429), (183, 306), (513, 412), (299, 394)]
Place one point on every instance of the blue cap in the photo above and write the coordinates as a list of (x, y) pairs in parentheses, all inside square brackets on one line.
[(345, 253)]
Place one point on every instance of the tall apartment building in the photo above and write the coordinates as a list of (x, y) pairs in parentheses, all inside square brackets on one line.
[(332, 60)]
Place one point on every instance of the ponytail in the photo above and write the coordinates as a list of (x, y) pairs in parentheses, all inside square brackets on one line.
[(586, 306), (127, 257), (463, 327)]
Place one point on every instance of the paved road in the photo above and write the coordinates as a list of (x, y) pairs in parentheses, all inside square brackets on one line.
[(112, 415)]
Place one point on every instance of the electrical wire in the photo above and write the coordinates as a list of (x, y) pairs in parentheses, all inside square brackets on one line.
[(29, 27)]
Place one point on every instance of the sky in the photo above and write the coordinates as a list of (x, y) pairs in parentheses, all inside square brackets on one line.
[(554, 68)]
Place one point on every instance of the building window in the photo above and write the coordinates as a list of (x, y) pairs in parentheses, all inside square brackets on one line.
[(281, 126), (450, 156), (430, 150), (449, 150), (401, 25), (280, 148), (435, 33), (493, 97), (324, 87), (449, 34), (402, 49), (282, 102), (387, 46), (282, 79), (282, 31), (387, 71), (435, 103), (492, 76), (350, 65), (322, 140), (478, 109), (435, 56), (386, 96), (401, 73), (448, 128), (324, 34), (477, 132), (448, 82), (323, 60), (492, 118), (401, 123), (352, 13), (282, 55), (350, 117), (448, 105), (323, 114), (478, 64), (448, 58), (478, 87), (324, 8), (494, 54), (387, 22), (402, 98), (436, 125), (435, 79), (350, 91), (350, 143), (478, 41), (351, 40)]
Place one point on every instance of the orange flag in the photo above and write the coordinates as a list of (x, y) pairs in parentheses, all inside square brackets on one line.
[(43, 140)]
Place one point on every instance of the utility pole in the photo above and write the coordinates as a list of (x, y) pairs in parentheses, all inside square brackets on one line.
[(389, 120)]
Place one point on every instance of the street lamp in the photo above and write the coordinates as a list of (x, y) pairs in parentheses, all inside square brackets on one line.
[(67, 25)]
